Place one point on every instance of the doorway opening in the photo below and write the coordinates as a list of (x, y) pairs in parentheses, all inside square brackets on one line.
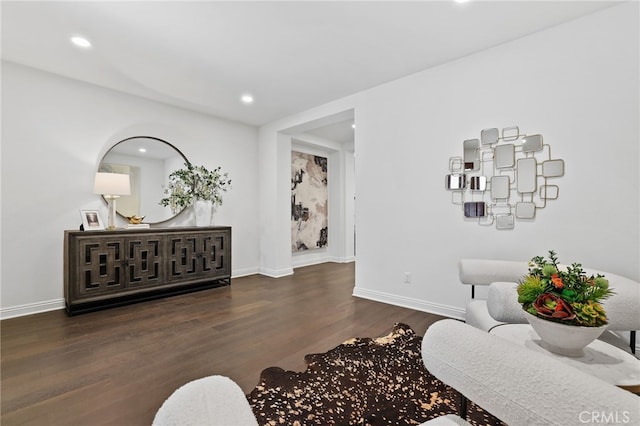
[(331, 138)]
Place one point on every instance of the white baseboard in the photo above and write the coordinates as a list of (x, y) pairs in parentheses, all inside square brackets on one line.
[(31, 308), (276, 273), (302, 262), (244, 272), (411, 303), (342, 259)]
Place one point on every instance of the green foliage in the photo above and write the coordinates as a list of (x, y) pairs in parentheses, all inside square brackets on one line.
[(530, 288), (590, 313), (548, 270), (583, 293), (195, 183)]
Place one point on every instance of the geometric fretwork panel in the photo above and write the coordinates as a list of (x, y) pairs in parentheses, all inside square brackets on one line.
[(183, 256), (212, 253), (143, 259), (197, 255), (101, 266)]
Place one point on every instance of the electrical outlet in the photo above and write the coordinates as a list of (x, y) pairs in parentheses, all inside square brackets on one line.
[(407, 277)]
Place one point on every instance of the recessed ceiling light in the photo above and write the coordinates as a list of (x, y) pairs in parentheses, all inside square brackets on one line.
[(353, 126), (81, 42), (247, 99), (142, 150)]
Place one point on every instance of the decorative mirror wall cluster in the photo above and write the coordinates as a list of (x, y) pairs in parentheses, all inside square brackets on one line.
[(503, 176)]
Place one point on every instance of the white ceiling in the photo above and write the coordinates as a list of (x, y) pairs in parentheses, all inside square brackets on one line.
[(290, 56)]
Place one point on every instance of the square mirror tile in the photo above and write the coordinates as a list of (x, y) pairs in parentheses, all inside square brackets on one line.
[(475, 209), (525, 210), (504, 155), (478, 183), (532, 143), (505, 221), (489, 136), (455, 182), (553, 168), (500, 187)]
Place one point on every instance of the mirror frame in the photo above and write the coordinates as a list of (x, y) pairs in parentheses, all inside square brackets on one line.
[(158, 140)]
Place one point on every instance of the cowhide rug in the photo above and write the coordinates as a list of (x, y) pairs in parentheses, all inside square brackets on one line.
[(363, 381)]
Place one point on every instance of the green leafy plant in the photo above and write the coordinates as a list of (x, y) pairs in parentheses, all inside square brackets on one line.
[(195, 183), (565, 295)]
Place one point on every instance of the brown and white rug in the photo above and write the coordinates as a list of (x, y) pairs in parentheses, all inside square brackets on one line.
[(363, 381)]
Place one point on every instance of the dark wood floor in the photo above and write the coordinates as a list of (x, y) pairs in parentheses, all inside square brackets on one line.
[(116, 367)]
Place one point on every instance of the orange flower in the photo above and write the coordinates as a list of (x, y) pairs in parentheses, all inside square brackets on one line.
[(557, 281)]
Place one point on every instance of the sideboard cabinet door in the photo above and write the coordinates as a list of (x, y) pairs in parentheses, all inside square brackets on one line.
[(99, 266), (144, 254), (216, 255), (198, 255)]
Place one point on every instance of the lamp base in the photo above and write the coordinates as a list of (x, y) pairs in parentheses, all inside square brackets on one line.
[(111, 206)]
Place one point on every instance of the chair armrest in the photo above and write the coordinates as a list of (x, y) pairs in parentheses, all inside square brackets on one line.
[(517, 385), (213, 400)]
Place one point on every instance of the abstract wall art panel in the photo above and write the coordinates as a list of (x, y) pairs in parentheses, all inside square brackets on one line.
[(309, 200)]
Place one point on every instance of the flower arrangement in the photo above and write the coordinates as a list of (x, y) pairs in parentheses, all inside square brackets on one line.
[(195, 183), (568, 296)]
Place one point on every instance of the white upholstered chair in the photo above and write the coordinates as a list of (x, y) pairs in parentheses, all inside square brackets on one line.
[(501, 304), (519, 386)]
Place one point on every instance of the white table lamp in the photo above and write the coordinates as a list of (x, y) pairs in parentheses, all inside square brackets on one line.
[(111, 186)]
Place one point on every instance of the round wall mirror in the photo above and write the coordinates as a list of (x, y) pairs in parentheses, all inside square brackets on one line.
[(148, 161)]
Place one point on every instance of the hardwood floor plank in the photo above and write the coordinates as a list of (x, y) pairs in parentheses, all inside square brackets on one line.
[(117, 366)]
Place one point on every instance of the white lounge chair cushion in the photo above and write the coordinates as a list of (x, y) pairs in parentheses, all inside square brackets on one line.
[(517, 385), (213, 400)]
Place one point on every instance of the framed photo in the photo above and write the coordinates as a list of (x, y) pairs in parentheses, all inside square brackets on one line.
[(91, 220)]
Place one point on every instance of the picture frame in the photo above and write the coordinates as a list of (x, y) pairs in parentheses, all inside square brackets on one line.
[(91, 220)]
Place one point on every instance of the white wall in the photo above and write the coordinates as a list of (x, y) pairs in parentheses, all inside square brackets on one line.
[(54, 133), (577, 84)]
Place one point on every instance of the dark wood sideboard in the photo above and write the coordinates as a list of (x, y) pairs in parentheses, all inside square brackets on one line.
[(111, 268)]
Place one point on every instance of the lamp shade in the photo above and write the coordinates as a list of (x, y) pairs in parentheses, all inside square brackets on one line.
[(111, 184)]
